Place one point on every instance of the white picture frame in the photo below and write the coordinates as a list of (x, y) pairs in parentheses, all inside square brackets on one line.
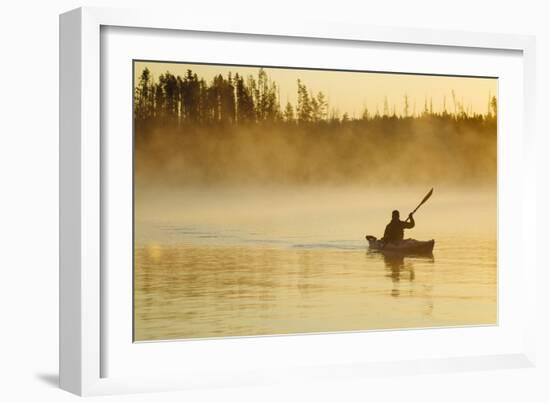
[(83, 309)]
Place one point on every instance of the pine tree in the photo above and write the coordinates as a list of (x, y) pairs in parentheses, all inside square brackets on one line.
[(304, 109), (289, 113)]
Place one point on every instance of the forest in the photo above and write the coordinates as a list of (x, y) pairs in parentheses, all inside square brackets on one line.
[(234, 129)]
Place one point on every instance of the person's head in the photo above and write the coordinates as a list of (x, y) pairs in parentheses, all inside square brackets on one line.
[(395, 215)]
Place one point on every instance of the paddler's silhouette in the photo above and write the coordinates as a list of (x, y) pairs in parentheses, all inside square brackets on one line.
[(395, 229)]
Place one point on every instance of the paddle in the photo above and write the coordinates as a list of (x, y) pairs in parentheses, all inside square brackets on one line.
[(424, 200)]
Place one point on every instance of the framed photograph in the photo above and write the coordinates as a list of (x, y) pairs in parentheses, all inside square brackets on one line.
[(244, 203)]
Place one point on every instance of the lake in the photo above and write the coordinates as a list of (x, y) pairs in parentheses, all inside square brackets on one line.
[(222, 262)]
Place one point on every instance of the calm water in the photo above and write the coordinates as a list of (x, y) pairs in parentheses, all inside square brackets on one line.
[(232, 264)]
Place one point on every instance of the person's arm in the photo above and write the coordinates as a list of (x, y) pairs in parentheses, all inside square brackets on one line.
[(410, 222)]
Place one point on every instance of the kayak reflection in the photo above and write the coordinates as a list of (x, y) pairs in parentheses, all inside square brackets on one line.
[(400, 267), (397, 270)]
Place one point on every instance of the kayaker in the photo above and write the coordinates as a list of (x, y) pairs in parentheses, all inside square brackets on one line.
[(395, 229)]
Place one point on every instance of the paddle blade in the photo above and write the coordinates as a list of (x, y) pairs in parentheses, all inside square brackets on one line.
[(424, 200), (427, 196)]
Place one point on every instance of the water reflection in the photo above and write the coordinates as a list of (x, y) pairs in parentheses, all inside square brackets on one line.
[(186, 291), (399, 267), (396, 266)]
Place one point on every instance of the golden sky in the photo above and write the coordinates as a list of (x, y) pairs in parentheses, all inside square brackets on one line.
[(351, 92)]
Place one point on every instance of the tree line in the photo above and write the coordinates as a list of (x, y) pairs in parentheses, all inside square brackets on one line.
[(240, 100), (234, 129)]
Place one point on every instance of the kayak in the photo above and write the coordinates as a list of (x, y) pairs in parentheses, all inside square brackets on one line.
[(406, 246)]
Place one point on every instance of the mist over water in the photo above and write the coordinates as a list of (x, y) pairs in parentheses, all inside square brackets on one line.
[(316, 212), (381, 152)]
